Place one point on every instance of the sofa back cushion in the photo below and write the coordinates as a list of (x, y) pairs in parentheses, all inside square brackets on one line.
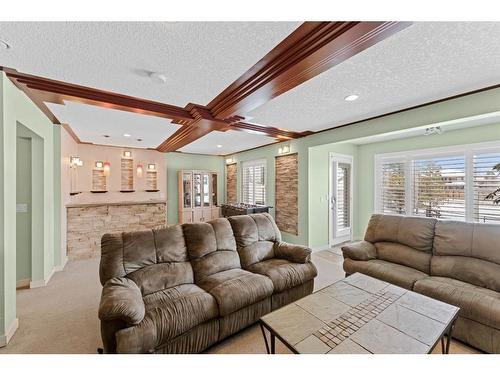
[(211, 247), (154, 259), (415, 232), (468, 252), (404, 255), (255, 237)]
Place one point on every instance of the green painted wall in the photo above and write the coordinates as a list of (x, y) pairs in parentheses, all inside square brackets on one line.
[(176, 161), (15, 109), (23, 219), (366, 157)]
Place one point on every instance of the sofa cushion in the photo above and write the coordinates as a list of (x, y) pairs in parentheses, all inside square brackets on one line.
[(393, 273), (284, 274), (416, 232), (405, 255), (470, 270), (236, 288), (478, 240), (169, 313), (476, 303), (255, 237), (161, 276), (211, 247)]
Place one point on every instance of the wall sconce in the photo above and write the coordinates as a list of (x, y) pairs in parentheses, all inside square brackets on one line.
[(106, 167), (285, 149), (75, 161), (433, 130), (127, 154), (230, 160), (151, 167), (140, 170)]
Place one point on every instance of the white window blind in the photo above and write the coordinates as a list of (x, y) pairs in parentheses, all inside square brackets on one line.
[(343, 195), (486, 180), (454, 183), (254, 182), (439, 187), (393, 195)]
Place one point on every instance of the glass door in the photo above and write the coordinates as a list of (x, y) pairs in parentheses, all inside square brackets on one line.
[(206, 190), (186, 189), (214, 189), (197, 189), (340, 198)]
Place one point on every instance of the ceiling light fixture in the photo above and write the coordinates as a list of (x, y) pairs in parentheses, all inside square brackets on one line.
[(126, 135), (219, 146), (433, 130), (351, 98), (158, 77), (4, 45)]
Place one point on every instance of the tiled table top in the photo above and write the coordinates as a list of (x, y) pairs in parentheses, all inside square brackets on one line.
[(361, 314)]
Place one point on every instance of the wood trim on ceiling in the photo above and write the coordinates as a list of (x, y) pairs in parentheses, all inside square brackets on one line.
[(310, 50)]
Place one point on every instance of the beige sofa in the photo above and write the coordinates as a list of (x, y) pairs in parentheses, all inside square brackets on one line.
[(455, 262), (182, 288)]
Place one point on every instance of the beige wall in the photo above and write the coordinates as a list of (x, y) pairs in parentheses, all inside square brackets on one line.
[(68, 148)]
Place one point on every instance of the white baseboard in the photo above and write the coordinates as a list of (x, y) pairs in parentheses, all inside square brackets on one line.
[(24, 283), (44, 282), (61, 266), (4, 339)]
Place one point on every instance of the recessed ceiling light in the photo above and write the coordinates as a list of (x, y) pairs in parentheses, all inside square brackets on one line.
[(126, 135), (219, 146), (4, 45), (158, 77), (351, 98), (106, 136), (139, 139)]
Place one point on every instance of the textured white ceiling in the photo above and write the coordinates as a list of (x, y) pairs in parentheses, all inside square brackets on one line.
[(199, 59), (91, 123), (231, 141), (427, 61)]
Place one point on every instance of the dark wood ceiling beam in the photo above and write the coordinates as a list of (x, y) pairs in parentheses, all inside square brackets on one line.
[(310, 50), (52, 91), (267, 130)]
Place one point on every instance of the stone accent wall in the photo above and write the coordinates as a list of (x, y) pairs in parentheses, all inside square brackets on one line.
[(87, 224), (231, 183), (286, 195)]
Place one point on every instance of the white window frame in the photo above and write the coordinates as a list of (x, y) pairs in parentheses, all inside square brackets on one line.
[(252, 163), (467, 150)]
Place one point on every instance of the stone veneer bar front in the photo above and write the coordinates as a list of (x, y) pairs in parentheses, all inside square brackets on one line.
[(88, 222)]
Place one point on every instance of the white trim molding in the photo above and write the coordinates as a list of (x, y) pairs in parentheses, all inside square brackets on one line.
[(44, 282), (4, 339), (61, 266)]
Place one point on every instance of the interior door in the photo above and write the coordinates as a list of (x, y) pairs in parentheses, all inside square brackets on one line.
[(340, 198)]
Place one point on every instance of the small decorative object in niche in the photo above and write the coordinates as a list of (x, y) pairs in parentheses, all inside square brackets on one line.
[(127, 154), (127, 178), (151, 167), (99, 164)]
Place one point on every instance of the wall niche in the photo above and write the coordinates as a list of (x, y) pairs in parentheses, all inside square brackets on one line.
[(127, 173)]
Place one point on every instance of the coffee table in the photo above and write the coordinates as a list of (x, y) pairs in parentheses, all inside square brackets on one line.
[(361, 314)]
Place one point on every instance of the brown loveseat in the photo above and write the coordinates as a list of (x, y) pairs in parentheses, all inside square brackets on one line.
[(455, 262), (182, 288)]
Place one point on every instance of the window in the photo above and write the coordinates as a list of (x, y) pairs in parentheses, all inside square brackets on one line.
[(254, 182), (455, 183)]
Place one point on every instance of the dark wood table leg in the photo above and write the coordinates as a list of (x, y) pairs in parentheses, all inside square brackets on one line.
[(265, 338), (273, 343)]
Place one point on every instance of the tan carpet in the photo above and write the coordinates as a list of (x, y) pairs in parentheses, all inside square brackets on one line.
[(62, 317)]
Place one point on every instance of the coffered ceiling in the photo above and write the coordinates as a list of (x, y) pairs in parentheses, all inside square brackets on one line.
[(409, 66)]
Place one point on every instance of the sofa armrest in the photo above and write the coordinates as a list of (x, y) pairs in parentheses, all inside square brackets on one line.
[(121, 299), (361, 250), (292, 253)]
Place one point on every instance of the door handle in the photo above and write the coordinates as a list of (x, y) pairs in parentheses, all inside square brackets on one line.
[(333, 201)]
